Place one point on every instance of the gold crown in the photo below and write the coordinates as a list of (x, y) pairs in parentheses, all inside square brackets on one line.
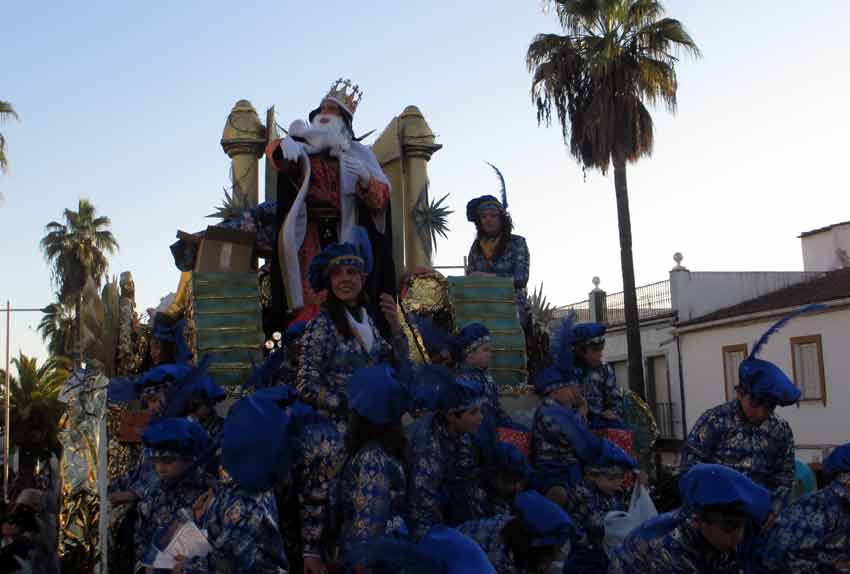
[(345, 94)]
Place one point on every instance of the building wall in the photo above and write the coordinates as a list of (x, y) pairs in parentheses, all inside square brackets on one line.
[(813, 423), (822, 251), (697, 293)]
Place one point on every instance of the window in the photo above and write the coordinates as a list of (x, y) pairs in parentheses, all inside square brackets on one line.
[(807, 363), (621, 371), (733, 355)]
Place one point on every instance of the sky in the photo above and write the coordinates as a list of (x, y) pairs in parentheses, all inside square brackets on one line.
[(124, 103)]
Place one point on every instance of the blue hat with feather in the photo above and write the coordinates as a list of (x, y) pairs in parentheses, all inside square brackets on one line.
[(376, 394), (707, 485), (838, 461), (281, 395), (436, 388), (508, 459), (476, 206), (389, 555), (456, 552), (175, 436), (470, 338), (764, 381), (357, 253), (255, 443), (547, 522), (195, 382), (562, 372), (611, 459), (589, 334), (161, 377)]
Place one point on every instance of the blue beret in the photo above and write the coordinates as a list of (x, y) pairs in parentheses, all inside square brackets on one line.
[(457, 553), (282, 395), (470, 337), (474, 207), (763, 380), (588, 331), (716, 485), (377, 395), (176, 435), (553, 378), (547, 522), (294, 332), (838, 461), (162, 374), (357, 253), (255, 443), (439, 389), (206, 386), (610, 457), (389, 555), (508, 458)]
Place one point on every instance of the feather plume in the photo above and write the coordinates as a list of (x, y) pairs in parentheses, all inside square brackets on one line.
[(178, 395), (781, 323), (562, 346), (261, 376), (504, 190)]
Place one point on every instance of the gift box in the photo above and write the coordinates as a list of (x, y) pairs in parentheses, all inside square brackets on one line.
[(519, 438), (131, 425), (621, 437)]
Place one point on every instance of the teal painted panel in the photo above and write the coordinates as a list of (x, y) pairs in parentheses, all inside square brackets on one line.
[(241, 320), (230, 338), (229, 306)]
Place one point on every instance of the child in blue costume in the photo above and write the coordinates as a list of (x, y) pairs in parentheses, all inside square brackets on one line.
[(373, 486), (507, 474), (599, 493), (598, 381), (240, 515), (443, 485), (706, 536), (526, 541), (176, 447)]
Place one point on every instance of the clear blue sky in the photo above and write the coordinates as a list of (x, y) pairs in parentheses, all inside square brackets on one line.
[(124, 103)]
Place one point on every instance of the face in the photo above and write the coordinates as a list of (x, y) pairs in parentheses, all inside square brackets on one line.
[(170, 467), (567, 396), (491, 221), (327, 109), (480, 357), (723, 536), (156, 351), (755, 411), (466, 421), (592, 355), (609, 485), (203, 412), (346, 283)]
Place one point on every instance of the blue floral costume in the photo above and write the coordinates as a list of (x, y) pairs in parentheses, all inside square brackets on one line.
[(599, 389), (558, 446), (242, 529), (487, 532), (587, 506), (495, 415), (764, 453), (812, 535), (443, 486), (513, 262), (328, 360), (373, 491), (670, 544), (141, 481)]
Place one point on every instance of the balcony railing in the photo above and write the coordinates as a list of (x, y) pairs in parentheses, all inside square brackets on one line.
[(664, 419), (653, 301)]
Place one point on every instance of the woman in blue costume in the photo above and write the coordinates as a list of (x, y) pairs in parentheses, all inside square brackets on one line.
[(373, 487), (343, 337)]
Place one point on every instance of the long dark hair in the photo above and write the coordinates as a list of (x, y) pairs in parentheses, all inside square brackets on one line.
[(361, 432), (518, 540), (504, 234), (335, 309)]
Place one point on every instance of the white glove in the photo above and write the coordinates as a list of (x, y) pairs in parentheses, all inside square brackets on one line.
[(356, 167), (291, 149)]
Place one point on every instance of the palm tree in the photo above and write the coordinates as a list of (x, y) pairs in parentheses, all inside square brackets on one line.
[(6, 112), (76, 250), (616, 58), (35, 407), (57, 328)]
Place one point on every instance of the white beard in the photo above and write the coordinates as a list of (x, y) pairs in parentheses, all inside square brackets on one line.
[(332, 136)]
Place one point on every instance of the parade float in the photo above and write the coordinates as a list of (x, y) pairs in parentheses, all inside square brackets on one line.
[(231, 304)]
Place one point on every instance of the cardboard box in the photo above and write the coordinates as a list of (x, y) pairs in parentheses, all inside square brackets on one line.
[(225, 251), (131, 425)]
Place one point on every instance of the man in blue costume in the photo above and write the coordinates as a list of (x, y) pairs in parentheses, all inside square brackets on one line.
[(745, 434), (443, 486), (706, 535), (813, 533)]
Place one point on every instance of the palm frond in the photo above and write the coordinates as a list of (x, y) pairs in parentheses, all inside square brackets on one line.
[(234, 205), (431, 219), (542, 311)]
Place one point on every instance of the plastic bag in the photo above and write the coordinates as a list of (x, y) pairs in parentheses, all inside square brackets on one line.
[(619, 524)]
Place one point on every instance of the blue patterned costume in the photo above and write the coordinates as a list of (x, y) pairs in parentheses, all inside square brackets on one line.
[(560, 441), (599, 389), (373, 491), (158, 510), (513, 262), (495, 415), (443, 487), (764, 453), (327, 361), (812, 535), (213, 424), (487, 532), (141, 481), (242, 529), (670, 544), (587, 506)]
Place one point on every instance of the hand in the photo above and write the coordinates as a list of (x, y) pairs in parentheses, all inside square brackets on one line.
[(609, 415), (768, 524), (356, 167), (390, 311), (179, 564), (314, 565), (291, 149)]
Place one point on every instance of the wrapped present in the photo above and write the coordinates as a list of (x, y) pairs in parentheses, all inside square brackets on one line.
[(519, 438), (623, 439)]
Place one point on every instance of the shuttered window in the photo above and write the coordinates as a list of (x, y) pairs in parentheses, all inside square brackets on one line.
[(733, 355), (807, 361)]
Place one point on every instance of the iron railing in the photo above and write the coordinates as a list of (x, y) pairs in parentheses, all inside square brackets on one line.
[(653, 301), (581, 310), (664, 419)]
